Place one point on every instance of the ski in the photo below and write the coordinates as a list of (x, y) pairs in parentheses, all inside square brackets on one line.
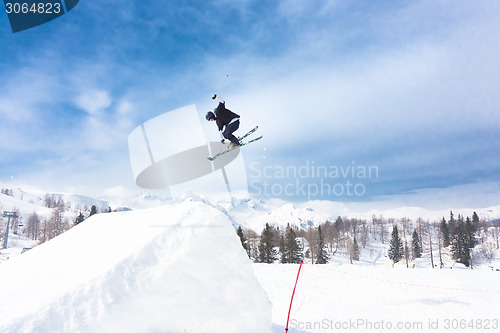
[(231, 149), (249, 132), (253, 140), (241, 144)]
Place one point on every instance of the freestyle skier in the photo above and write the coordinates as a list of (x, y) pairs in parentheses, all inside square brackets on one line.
[(225, 118)]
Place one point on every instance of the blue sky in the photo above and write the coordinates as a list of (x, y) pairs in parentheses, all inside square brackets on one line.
[(410, 87)]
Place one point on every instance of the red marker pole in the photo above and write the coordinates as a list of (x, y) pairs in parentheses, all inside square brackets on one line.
[(293, 293)]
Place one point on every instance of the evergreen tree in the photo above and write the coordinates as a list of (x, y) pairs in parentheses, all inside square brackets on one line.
[(415, 245), (267, 254), (293, 252), (79, 219), (396, 246), (282, 250), (456, 246), (452, 224), (93, 210), (322, 255), (284, 247), (462, 241), (470, 232), (475, 222), (243, 240), (445, 232)]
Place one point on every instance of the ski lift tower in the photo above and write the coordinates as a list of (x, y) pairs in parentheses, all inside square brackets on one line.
[(9, 215)]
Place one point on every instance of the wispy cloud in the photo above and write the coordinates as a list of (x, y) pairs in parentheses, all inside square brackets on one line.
[(93, 101)]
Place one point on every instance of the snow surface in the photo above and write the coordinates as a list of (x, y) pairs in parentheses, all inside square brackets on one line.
[(111, 272), (177, 268), (362, 298), (373, 295)]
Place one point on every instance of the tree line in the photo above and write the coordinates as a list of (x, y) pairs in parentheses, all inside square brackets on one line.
[(56, 224), (460, 238), (288, 245), (43, 229)]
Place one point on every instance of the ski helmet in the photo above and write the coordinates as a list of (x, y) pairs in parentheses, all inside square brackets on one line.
[(210, 115)]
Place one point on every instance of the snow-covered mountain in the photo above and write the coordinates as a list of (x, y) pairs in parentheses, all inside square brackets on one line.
[(254, 213), (250, 213), (29, 201)]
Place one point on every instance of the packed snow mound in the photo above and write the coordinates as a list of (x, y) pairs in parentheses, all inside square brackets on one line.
[(176, 268)]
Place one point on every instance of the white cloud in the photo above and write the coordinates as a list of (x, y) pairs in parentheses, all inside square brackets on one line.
[(93, 101), (124, 107)]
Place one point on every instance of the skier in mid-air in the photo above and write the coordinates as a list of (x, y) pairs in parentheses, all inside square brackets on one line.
[(225, 118)]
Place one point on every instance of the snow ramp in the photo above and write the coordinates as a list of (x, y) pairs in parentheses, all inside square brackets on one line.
[(176, 268)]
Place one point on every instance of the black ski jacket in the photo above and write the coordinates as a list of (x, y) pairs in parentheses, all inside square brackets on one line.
[(223, 115)]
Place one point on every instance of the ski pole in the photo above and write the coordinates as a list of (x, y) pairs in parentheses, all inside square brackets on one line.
[(222, 84)]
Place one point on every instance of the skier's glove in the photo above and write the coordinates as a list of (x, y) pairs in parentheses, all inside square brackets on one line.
[(214, 96)]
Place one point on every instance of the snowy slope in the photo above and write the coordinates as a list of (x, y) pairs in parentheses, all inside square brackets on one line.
[(25, 207), (29, 201), (361, 298), (176, 268), (112, 272)]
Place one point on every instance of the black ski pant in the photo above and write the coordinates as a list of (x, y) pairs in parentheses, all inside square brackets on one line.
[(230, 129)]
